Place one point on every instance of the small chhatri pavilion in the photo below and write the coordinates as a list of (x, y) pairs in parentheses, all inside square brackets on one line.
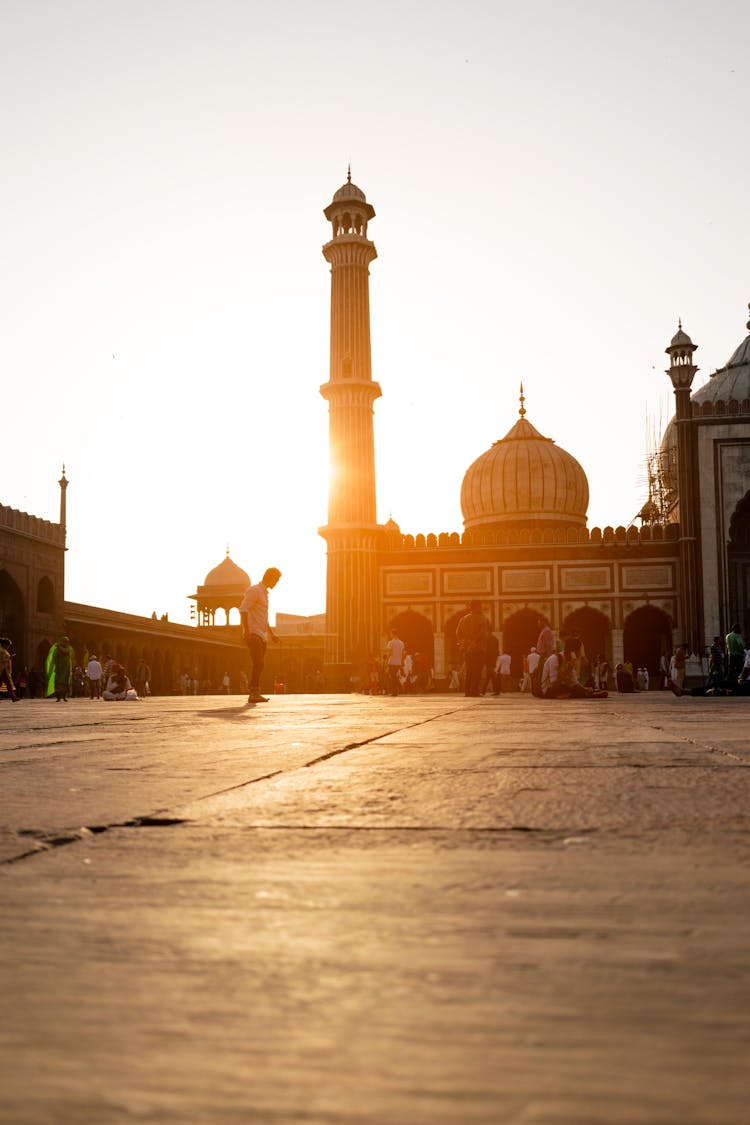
[(223, 589)]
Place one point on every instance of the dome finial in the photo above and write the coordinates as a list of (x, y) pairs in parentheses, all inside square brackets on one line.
[(349, 172), (522, 400), (748, 309)]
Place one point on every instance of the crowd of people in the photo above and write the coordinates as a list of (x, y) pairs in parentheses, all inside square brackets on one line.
[(557, 668), (551, 669), (64, 679)]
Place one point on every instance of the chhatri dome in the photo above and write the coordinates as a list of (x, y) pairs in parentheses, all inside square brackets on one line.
[(349, 190), (524, 479), (223, 589), (227, 574)]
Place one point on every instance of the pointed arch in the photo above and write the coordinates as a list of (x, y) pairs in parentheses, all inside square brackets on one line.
[(647, 636), (12, 614), (520, 632), (594, 629), (417, 633), (738, 566)]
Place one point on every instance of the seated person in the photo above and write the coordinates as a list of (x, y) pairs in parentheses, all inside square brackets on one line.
[(624, 680), (559, 679), (119, 686)]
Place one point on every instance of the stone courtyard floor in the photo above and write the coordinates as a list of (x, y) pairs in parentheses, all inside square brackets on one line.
[(332, 909)]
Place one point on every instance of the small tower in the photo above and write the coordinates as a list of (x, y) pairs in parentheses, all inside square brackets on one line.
[(352, 531), (682, 371), (63, 482)]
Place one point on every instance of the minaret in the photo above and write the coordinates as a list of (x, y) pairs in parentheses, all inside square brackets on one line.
[(63, 482), (682, 371), (352, 531)]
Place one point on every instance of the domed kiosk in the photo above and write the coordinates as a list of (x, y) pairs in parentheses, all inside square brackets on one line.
[(224, 588), (524, 480)]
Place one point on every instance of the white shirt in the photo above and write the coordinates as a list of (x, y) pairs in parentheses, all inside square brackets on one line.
[(533, 659), (551, 672), (395, 649), (94, 670), (255, 610)]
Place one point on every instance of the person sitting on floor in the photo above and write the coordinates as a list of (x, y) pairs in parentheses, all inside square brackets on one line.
[(559, 679), (624, 680), (119, 686)]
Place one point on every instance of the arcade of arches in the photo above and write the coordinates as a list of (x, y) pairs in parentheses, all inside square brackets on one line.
[(646, 636)]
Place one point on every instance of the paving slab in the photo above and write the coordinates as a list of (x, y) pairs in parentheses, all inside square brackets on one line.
[(354, 909)]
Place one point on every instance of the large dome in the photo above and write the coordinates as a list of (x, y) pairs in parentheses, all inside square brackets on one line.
[(524, 479), (227, 573)]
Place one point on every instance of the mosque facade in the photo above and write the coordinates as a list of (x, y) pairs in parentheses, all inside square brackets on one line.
[(526, 551)]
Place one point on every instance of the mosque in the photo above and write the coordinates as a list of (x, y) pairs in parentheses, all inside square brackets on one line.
[(526, 551)]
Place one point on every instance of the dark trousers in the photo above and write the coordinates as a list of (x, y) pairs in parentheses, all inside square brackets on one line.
[(257, 648), (736, 660), (474, 666)]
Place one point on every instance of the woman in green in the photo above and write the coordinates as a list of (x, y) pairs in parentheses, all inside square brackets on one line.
[(59, 669)]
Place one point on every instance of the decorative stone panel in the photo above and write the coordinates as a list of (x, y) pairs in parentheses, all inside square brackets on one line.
[(654, 577), (585, 578), (535, 581), (467, 582), (399, 583)]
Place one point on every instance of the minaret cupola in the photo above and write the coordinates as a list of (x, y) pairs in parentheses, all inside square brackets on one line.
[(349, 212)]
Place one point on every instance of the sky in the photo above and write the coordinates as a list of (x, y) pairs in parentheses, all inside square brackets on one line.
[(555, 185)]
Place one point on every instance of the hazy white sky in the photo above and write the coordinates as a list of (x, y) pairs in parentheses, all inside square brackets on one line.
[(555, 184)]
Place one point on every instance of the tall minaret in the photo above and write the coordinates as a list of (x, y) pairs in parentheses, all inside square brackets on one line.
[(63, 482), (352, 531), (682, 371)]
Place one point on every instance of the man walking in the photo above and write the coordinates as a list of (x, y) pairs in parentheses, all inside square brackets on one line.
[(471, 634), (395, 655), (255, 628), (94, 676)]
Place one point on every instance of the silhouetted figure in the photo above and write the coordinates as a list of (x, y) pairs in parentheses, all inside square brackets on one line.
[(256, 630), (142, 678), (735, 655), (624, 680), (471, 634), (716, 664), (395, 658)]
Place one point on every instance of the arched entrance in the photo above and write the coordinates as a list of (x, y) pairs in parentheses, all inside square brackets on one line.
[(738, 567), (415, 630), (647, 637), (520, 632), (594, 630), (12, 616)]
